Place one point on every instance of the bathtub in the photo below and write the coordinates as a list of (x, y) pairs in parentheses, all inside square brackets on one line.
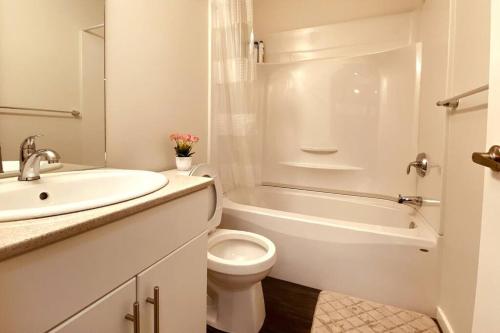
[(370, 248)]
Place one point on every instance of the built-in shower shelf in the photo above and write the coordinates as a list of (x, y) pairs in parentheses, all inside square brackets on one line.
[(319, 150), (320, 166)]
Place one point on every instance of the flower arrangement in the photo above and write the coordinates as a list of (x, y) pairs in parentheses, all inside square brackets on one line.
[(183, 150), (184, 144)]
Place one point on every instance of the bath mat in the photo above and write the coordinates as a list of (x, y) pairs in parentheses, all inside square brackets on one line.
[(337, 313)]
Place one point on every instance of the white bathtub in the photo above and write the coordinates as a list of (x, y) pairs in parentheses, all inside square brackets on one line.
[(370, 248)]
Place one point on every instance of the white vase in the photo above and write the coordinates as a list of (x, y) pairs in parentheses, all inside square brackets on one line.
[(183, 163)]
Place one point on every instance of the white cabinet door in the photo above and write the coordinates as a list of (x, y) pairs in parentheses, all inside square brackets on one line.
[(106, 315), (182, 281)]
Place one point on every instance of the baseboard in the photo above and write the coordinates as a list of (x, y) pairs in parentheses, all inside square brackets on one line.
[(443, 321)]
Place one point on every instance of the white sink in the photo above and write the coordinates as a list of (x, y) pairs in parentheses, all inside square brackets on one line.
[(61, 193)]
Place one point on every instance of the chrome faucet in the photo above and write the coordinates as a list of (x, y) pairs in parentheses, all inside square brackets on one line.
[(410, 200), (30, 158)]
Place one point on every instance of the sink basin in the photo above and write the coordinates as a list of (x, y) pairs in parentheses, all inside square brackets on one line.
[(61, 193)]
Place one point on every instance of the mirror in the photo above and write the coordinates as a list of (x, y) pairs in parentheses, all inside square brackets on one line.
[(52, 81)]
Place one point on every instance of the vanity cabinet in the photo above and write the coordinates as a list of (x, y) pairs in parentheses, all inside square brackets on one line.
[(88, 282), (105, 315), (180, 279)]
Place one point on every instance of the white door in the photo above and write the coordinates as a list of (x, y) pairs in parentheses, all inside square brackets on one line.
[(487, 307), (105, 315), (181, 279)]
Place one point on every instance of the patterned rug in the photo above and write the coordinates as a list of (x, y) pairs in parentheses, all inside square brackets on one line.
[(337, 313)]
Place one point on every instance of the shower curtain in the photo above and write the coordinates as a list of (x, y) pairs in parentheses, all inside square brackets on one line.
[(233, 108)]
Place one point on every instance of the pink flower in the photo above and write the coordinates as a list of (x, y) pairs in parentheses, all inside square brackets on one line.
[(184, 138)]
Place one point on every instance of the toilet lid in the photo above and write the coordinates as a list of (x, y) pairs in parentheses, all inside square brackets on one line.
[(206, 170)]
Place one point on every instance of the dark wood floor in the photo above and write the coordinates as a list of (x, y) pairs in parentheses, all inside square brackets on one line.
[(289, 307)]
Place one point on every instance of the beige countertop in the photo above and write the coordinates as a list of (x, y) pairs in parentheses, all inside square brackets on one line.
[(18, 237)]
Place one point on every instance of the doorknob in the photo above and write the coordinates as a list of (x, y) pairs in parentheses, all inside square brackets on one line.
[(491, 159), (156, 302)]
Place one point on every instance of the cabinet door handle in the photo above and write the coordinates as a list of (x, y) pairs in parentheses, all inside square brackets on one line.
[(156, 302), (135, 318)]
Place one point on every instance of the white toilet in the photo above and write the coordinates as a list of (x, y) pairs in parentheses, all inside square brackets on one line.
[(237, 263)]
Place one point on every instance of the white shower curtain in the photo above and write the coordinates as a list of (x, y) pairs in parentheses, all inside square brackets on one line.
[(234, 113)]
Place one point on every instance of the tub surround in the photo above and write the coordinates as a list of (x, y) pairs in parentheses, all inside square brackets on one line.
[(350, 76), (22, 236)]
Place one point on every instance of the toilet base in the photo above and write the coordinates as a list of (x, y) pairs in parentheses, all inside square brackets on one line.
[(239, 310)]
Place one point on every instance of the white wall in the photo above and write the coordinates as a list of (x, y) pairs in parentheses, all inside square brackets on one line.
[(40, 61), (157, 79), (272, 16), (463, 190)]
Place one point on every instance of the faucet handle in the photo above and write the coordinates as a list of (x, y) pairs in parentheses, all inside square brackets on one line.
[(28, 147), (421, 165), (30, 140), (412, 164)]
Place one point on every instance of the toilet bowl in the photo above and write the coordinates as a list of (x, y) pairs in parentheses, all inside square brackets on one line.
[(237, 263)]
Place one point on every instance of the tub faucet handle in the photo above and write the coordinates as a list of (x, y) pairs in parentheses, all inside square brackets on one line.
[(421, 164)]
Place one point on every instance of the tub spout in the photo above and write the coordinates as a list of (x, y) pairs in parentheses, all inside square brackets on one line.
[(410, 200)]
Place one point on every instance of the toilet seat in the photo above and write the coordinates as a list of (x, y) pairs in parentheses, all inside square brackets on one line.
[(239, 252)]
